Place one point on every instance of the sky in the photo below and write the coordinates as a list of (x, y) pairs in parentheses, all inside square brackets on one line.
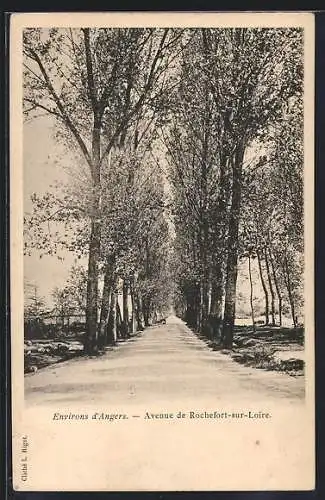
[(41, 153)]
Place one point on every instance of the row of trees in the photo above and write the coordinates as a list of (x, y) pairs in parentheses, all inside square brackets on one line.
[(205, 100), (104, 88), (272, 219), (235, 152)]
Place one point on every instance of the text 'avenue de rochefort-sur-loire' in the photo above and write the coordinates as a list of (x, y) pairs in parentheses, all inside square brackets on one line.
[(164, 416)]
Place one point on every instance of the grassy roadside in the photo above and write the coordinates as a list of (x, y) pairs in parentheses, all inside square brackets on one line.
[(40, 353), (269, 347)]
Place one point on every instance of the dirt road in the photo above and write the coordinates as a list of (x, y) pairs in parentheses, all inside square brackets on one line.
[(166, 363)]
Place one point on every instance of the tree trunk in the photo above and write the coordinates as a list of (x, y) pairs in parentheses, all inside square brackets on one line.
[(189, 307), (216, 301), (204, 288), (115, 303), (204, 303), (251, 291), (105, 308), (200, 318), (119, 321), (111, 327), (91, 337), (217, 290), (198, 308), (126, 307), (193, 306), (290, 292), (145, 310), (90, 345), (277, 287), (62, 318), (138, 311), (232, 265), (270, 286), (204, 199), (266, 295), (133, 306)]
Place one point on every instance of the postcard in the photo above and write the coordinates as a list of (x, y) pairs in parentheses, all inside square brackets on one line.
[(162, 251)]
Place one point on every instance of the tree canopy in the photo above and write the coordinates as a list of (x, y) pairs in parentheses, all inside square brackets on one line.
[(193, 143)]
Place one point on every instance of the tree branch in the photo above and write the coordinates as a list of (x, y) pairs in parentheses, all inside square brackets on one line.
[(138, 104), (65, 117), (90, 73), (36, 104)]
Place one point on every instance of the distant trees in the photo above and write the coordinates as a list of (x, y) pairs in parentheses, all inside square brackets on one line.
[(34, 310), (62, 305), (70, 300), (273, 215), (34, 302)]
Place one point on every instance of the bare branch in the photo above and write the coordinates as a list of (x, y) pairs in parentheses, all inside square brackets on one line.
[(36, 104), (90, 73), (138, 104), (65, 117)]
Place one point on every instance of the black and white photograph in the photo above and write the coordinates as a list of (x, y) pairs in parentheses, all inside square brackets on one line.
[(163, 234)]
